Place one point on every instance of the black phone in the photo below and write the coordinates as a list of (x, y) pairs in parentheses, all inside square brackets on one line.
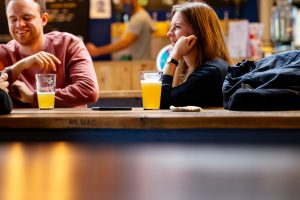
[(111, 108)]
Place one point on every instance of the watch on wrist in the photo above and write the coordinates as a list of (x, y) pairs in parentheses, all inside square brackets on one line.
[(172, 60)]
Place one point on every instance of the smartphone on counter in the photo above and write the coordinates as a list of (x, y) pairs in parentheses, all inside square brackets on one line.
[(111, 108)]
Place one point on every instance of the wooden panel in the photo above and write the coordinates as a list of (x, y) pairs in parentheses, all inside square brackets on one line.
[(120, 94), (121, 75), (113, 75), (136, 69)]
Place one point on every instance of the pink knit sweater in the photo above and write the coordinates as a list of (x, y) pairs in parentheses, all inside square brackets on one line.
[(76, 81)]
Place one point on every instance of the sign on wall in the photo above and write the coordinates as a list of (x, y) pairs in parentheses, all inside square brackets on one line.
[(68, 16), (64, 15), (4, 33), (100, 9)]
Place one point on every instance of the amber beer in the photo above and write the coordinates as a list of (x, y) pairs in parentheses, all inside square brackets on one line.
[(46, 100), (151, 89), (45, 87)]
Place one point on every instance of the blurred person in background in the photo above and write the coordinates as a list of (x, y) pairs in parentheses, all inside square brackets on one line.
[(136, 37)]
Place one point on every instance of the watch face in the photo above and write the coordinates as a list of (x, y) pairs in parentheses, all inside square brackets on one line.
[(169, 59)]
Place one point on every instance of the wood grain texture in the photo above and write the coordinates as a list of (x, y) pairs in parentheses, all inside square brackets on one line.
[(120, 94), (140, 119), (121, 75)]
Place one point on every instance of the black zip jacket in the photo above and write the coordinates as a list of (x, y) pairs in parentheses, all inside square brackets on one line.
[(5, 103), (272, 83), (202, 88)]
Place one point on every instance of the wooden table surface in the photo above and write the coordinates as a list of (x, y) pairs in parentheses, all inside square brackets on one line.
[(210, 126), (156, 119)]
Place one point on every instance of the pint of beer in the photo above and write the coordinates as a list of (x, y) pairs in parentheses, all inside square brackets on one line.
[(151, 89), (45, 87)]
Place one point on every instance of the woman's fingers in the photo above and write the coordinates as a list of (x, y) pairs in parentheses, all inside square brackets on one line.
[(3, 76), (192, 41)]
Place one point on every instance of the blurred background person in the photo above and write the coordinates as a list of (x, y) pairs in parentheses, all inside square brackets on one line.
[(136, 37)]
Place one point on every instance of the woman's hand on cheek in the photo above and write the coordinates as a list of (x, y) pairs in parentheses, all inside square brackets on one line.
[(183, 46)]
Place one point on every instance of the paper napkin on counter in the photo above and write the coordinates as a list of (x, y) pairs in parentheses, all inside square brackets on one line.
[(186, 109)]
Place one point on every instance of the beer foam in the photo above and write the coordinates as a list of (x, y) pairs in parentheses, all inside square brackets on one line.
[(151, 81)]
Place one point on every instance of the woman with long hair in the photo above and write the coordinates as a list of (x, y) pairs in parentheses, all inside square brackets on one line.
[(198, 62)]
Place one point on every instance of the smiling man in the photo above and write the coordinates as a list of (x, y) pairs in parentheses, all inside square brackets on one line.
[(32, 52)]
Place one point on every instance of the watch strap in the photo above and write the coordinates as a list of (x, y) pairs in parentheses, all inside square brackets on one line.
[(172, 60)]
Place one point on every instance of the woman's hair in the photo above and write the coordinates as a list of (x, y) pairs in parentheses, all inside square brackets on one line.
[(206, 26), (42, 4)]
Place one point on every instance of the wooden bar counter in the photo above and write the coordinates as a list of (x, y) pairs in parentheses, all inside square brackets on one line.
[(157, 125), (62, 118)]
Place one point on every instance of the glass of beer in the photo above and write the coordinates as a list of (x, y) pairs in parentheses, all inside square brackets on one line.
[(151, 89), (45, 87)]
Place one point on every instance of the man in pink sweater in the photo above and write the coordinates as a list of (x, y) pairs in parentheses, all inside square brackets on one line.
[(32, 52)]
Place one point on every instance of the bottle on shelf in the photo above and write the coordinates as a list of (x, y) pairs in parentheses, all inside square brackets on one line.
[(283, 25)]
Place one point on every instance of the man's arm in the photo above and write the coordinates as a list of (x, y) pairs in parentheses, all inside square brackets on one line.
[(80, 83), (126, 40), (41, 60)]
